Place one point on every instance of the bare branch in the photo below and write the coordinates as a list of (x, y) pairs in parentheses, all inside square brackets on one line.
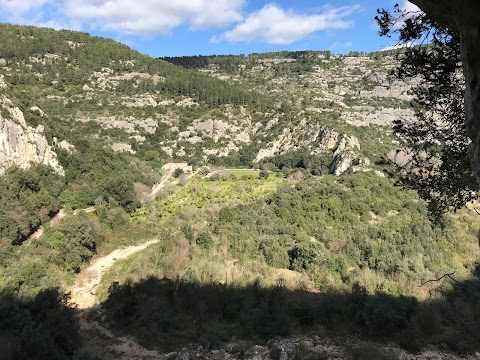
[(440, 278)]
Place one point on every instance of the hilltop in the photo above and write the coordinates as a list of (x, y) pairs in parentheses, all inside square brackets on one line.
[(240, 111)]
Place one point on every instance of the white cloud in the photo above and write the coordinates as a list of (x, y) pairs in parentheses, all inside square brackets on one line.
[(409, 7), (150, 17), (409, 10), (20, 7), (271, 24), (43, 13), (274, 25)]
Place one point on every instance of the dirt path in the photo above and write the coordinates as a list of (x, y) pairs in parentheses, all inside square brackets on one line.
[(83, 291), (157, 187), (55, 221), (166, 182), (84, 298)]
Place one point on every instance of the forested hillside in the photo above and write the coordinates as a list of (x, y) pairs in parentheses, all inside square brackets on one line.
[(292, 225)]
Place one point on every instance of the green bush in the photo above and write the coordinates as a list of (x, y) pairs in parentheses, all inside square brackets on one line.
[(204, 239), (178, 172), (275, 255)]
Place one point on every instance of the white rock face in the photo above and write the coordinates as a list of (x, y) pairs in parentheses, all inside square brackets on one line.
[(38, 110), (22, 145), (3, 85), (128, 124), (139, 101), (400, 158), (121, 147), (320, 140), (65, 145), (338, 142), (348, 161), (344, 157), (364, 116)]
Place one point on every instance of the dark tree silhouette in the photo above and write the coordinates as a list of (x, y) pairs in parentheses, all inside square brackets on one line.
[(440, 169)]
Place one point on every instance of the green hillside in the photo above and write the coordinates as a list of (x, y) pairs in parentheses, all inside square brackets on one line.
[(292, 227)]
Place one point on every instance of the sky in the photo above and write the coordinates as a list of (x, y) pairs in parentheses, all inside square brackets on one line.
[(205, 27)]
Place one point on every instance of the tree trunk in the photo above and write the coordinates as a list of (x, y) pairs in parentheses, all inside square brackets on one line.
[(464, 16)]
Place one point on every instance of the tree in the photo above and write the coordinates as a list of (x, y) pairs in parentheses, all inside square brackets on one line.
[(440, 169), (178, 172), (119, 190)]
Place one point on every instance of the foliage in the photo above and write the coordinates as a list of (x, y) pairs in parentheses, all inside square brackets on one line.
[(41, 328), (119, 191), (28, 198), (172, 313), (359, 234), (438, 136), (204, 240), (178, 172), (299, 159), (77, 54), (72, 243), (333, 225), (203, 193)]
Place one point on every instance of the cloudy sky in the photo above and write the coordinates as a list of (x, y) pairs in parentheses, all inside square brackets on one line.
[(190, 27)]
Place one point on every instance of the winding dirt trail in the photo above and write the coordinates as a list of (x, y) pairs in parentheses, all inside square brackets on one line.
[(83, 291), (157, 187), (165, 182), (84, 298), (55, 221)]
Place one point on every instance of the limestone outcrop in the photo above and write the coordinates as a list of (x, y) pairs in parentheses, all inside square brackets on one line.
[(347, 162), (345, 157), (22, 145), (319, 140), (464, 16)]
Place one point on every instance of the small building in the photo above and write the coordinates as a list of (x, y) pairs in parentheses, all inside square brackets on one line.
[(173, 166)]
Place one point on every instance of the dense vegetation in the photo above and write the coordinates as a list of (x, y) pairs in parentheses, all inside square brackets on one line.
[(336, 227), (40, 328), (76, 55), (364, 243), (28, 198), (447, 179), (243, 254), (168, 313)]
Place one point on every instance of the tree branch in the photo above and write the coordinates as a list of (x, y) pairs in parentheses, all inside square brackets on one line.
[(436, 280)]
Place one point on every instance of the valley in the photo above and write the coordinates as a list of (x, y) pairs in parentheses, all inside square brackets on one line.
[(292, 238)]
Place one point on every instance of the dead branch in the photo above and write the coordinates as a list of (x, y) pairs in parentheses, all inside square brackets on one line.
[(440, 278)]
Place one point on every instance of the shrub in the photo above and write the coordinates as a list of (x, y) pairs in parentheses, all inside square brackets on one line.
[(151, 155), (178, 172), (204, 240), (263, 174), (275, 255)]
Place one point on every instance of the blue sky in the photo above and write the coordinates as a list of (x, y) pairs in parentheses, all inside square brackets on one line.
[(203, 27)]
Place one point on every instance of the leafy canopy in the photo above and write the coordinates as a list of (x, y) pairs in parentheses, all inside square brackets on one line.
[(440, 169)]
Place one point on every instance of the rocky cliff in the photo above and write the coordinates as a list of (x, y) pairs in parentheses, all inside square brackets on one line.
[(22, 145), (320, 140)]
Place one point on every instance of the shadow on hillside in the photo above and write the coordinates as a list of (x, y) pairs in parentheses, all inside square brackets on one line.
[(168, 314), (165, 313), (40, 328)]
